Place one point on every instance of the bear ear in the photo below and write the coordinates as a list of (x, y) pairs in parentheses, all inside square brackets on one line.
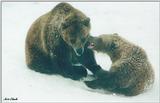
[(86, 21)]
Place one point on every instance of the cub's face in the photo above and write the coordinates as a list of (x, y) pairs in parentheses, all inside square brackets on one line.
[(75, 33), (103, 43), (95, 43)]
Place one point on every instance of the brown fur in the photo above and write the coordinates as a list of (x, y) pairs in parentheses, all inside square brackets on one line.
[(130, 72), (56, 42)]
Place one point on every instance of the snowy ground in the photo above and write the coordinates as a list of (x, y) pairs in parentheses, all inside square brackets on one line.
[(137, 22)]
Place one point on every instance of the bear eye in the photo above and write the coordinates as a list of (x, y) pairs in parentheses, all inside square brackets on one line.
[(65, 26), (113, 46)]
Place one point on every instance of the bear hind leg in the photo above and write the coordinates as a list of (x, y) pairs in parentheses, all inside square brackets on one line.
[(39, 62)]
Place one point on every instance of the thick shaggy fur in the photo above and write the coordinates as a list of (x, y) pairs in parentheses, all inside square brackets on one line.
[(130, 72), (56, 43)]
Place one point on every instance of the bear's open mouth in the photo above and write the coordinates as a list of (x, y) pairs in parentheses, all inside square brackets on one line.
[(91, 46), (79, 51)]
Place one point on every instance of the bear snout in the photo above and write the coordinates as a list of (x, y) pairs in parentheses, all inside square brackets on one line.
[(91, 45)]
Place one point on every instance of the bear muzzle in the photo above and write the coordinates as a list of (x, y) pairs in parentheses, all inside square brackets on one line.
[(91, 45)]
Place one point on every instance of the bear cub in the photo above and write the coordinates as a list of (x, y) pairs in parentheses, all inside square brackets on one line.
[(130, 73)]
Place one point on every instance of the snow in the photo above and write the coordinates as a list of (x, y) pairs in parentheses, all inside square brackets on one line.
[(136, 21)]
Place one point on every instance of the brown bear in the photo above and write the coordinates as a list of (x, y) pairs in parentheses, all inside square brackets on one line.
[(130, 73), (56, 43)]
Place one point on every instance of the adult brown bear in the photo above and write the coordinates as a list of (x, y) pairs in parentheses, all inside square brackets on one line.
[(56, 43)]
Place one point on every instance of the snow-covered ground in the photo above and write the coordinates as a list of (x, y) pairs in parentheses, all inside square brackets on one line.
[(137, 22)]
